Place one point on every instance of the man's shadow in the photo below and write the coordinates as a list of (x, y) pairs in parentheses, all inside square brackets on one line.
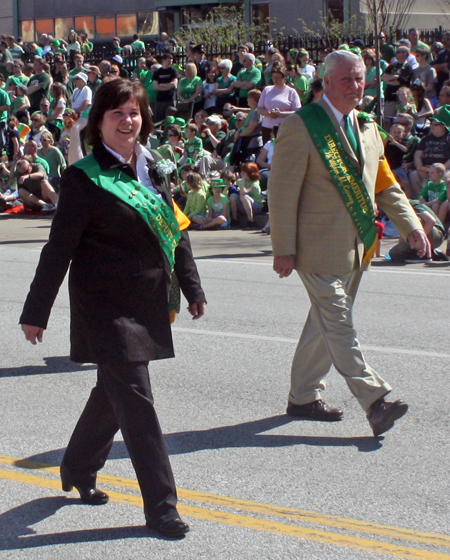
[(16, 530), (247, 434), (53, 364)]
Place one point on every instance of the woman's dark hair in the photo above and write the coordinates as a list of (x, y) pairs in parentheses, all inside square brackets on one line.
[(316, 87), (111, 95), (176, 130), (421, 94), (277, 68)]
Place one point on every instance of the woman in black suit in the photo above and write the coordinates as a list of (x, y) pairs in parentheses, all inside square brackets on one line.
[(116, 226)]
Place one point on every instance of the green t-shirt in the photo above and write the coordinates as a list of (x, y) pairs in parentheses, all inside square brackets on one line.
[(434, 192), (218, 206), (55, 161), (146, 78), (18, 102), (188, 87), (138, 46), (195, 203), (193, 145), (43, 80), (44, 164), (255, 191), (302, 84), (4, 100), (16, 79), (253, 75)]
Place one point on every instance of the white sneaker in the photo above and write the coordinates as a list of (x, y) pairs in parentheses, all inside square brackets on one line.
[(47, 208), (266, 228)]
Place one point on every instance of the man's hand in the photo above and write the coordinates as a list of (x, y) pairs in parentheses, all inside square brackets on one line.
[(418, 240), (33, 333), (197, 309), (284, 265)]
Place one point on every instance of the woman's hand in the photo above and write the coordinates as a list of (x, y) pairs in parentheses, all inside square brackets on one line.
[(33, 333), (197, 309)]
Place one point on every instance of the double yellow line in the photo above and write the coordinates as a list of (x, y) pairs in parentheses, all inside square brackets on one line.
[(267, 520)]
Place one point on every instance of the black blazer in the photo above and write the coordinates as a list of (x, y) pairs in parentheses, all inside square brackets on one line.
[(119, 277)]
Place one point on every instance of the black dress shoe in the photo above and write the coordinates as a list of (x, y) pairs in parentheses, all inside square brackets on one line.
[(171, 529), (317, 410), (90, 496), (382, 415)]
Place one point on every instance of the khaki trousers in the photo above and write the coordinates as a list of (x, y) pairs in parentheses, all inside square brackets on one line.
[(329, 338)]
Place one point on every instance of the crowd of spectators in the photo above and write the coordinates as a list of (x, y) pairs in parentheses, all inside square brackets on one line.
[(216, 118)]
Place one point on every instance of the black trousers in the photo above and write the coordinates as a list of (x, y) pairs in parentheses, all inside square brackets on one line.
[(122, 399)]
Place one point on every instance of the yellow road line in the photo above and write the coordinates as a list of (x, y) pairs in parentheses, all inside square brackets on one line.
[(265, 509), (242, 521)]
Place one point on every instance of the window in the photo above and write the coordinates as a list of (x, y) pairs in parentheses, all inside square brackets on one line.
[(85, 24), (126, 25), (335, 10), (148, 23), (27, 30), (63, 27), (44, 26), (260, 16), (105, 27)]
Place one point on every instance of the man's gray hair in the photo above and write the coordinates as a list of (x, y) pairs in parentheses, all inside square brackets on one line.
[(338, 57)]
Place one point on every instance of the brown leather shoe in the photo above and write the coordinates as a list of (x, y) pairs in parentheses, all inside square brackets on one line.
[(317, 410), (382, 415)]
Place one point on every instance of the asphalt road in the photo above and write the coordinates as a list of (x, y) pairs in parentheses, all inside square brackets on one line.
[(253, 483)]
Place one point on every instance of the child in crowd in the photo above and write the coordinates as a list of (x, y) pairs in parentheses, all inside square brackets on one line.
[(230, 178), (396, 147), (180, 192), (193, 147), (20, 102), (249, 201), (70, 118), (405, 101), (435, 191), (195, 208), (217, 207), (13, 141)]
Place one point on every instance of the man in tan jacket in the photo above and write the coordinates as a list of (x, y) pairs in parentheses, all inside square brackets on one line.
[(314, 233)]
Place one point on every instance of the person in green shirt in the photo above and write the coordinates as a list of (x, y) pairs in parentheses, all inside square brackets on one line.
[(39, 84), (146, 78), (18, 77), (78, 60), (189, 91), (249, 200), (54, 158), (5, 56), (247, 79), (193, 147), (137, 45)]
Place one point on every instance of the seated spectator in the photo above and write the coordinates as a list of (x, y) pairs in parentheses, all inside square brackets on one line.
[(175, 139), (426, 75), (217, 207), (405, 101), (395, 149), (434, 229), (225, 91), (37, 127), (55, 159), (277, 102), (210, 87), (264, 159), (435, 191), (397, 75), (195, 208), (193, 147), (82, 94), (424, 109), (249, 201), (189, 92), (247, 79), (34, 189), (248, 138), (30, 151), (433, 148), (407, 121), (212, 134)]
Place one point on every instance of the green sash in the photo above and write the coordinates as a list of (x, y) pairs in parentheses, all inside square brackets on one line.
[(346, 178), (156, 213)]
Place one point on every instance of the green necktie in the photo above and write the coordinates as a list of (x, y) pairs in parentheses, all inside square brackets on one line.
[(350, 135)]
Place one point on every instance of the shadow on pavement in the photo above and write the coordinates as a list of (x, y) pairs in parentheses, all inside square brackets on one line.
[(256, 254), (247, 434), (16, 530), (53, 364)]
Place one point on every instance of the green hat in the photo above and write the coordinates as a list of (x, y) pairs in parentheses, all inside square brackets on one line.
[(442, 116), (55, 43), (293, 53), (220, 183), (15, 81), (169, 120), (356, 50), (343, 47), (180, 122)]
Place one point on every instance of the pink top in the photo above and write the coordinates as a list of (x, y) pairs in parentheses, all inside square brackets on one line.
[(285, 99)]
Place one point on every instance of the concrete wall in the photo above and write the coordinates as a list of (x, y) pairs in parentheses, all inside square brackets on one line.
[(7, 17)]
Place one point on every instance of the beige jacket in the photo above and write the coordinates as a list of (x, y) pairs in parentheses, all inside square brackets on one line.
[(308, 218)]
